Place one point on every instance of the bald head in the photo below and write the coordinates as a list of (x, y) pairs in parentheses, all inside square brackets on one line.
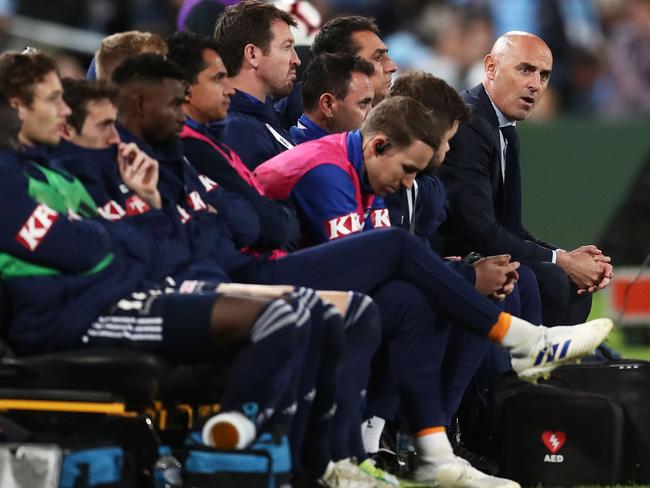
[(517, 72)]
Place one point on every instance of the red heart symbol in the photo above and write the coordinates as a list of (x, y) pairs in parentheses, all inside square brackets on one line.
[(553, 440)]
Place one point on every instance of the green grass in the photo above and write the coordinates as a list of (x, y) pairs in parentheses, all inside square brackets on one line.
[(616, 337)]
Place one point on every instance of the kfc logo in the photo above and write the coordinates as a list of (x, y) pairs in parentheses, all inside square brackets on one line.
[(111, 211), (343, 226), (380, 218), (208, 183), (182, 213), (37, 226), (136, 205), (196, 202), (553, 442)]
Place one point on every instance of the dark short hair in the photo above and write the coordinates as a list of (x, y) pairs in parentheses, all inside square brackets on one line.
[(434, 93), (444, 102), (403, 120), (117, 47), (186, 50), (19, 73), (248, 22), (331, 73), (335, 35), (77, 94), (146, 67)]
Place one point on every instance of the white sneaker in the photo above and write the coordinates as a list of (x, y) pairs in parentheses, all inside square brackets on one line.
[(558, 345), (228, 430), (345, 474), (458, 473), (369, 466)]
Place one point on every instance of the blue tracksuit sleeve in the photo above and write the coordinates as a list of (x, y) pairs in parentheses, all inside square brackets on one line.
[(327, 211), (239, 215), (279, 225), (430, 206), (39, 235)]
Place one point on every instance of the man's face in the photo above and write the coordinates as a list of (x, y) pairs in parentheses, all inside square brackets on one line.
[(351, 111), (397, 166), (43, 120), (210, 95), (98, 130), (162, 110), (373, 50), (440, 154), (517, 77), (277, 68)]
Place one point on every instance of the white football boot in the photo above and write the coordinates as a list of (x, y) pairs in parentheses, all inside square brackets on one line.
[(556, 346)]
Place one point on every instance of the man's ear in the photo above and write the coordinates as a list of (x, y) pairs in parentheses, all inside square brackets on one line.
[(67, 131), (252, 55), (490, 65), (376, 146), (380, 144), (138, 104), (16, 104), (327, 103)]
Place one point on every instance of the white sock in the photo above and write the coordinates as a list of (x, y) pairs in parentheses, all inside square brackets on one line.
[(434, 448), (371, 431), (521, 336)]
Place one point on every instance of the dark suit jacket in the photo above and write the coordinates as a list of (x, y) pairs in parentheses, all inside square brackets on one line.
[(471, 174)]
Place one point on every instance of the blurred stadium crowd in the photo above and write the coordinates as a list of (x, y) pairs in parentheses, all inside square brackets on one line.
[(601, 66)]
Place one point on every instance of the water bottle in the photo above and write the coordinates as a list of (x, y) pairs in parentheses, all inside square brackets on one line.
[(167, 472)]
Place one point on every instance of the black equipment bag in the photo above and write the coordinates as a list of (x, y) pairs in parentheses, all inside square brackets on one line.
[(558, 437), (628, 383), (623, 383)]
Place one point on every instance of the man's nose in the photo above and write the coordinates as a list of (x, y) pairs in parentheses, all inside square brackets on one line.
[(295, 60), (114, 137), (535, 82), (389, 65)]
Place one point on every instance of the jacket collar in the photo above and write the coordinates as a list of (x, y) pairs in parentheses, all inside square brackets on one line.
[(308, 130), (247, 104), (482, 100), (355, 155)]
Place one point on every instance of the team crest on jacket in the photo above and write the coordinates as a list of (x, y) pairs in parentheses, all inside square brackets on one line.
[(36, 227)]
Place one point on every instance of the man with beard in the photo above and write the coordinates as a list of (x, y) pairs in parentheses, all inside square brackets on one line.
[(366, 263), (257, 49)]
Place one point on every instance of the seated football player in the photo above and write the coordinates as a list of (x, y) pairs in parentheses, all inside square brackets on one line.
[(76, 280), (367, 263)]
